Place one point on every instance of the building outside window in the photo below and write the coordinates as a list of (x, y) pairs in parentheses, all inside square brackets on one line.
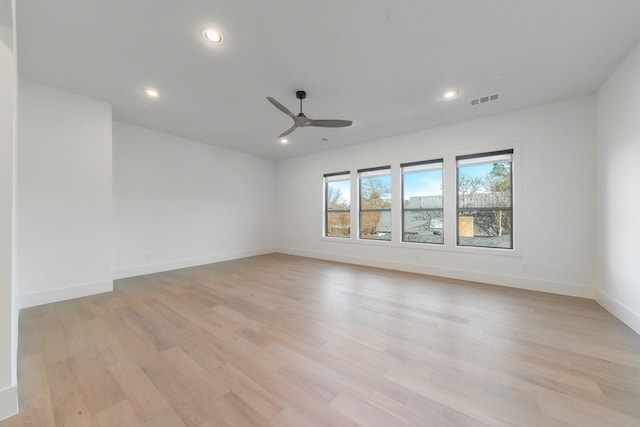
[(422, 202)]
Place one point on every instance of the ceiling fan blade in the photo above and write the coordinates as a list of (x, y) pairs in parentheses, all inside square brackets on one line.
[(288, 131), (330, 123), (281, 107)]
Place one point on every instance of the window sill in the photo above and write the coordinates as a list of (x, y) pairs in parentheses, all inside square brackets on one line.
[(446, 247)]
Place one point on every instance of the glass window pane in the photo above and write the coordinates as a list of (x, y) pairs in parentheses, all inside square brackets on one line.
[(375, 225), (338, 195), (423, 227), (487, 228), (337, 215), (422, 220), (426, 184), (484, 185), (485, 202), (375, 192), (338, 224)]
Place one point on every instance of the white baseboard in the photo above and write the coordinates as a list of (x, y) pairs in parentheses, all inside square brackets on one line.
[(561, 288), (185, 263), (8, 402), (620, 310), (61, 294)]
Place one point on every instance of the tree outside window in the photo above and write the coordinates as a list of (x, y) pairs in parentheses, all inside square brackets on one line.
[(337, 205), (375, 203)]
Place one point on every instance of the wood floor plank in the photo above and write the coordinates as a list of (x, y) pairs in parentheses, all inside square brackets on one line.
[(33, 396), (120, 414), (289, 417), (30, 337), (235, 412), (68, 399), (440, 415), (356, 407), (143, 396), (166, 418), (288, 341), (578, 413), (14, 421), (99, 387), (190, 405), (254, 394)]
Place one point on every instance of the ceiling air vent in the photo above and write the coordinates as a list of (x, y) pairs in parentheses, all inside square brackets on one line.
[(485, 99)]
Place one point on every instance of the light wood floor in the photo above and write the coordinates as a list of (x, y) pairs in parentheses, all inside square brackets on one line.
[(288, 341)]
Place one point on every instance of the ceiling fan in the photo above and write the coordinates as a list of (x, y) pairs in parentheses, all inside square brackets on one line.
[(301, 120)]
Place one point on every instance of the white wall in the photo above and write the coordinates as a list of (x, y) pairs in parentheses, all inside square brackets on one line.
[(8, 319), (63, 224), (180, 203), (554, 179), (618, 126)]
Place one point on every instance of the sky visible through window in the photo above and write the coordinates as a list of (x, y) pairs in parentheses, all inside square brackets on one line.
[(417, 184), (479, 170), (426, 183), (429, 183), (345, 191)]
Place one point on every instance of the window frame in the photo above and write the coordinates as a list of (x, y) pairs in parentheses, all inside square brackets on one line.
[(403, 172), (511, 208), (335, 177), (372, 172)]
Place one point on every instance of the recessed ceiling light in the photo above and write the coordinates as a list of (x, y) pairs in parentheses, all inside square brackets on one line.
[(212, 36), (151, 92), (284, 141), (450, 94)]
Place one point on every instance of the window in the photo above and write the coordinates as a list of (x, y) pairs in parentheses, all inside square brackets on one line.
[(337, 196), (485, 200), (422, 202), (375, 203)]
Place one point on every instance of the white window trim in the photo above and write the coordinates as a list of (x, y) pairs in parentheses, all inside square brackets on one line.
[(381, 171), (407, 170)]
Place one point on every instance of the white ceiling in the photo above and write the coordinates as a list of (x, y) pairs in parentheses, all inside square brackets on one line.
[(382, 64)]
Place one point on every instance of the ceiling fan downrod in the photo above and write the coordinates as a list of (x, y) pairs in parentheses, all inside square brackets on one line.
[(301, 95)]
